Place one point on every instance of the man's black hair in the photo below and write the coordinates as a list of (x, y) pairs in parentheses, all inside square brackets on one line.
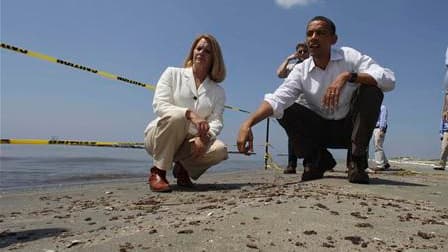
[(326, 20), (300, 44)]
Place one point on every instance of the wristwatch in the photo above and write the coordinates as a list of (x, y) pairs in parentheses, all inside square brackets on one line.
[(353, 77)]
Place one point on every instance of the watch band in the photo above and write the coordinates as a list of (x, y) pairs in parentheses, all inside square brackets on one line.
[(353, 77)]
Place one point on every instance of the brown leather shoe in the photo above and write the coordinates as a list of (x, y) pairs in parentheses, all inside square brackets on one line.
[(183, 179), (289, 170), (157, 180)]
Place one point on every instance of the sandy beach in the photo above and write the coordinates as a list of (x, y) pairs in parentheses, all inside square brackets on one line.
[(405, 209)]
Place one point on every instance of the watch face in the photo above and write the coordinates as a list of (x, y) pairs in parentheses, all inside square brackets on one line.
[(353, 77)]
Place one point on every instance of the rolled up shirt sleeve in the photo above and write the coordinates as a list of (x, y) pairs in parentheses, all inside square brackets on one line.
[(384, 77), (285, 95)]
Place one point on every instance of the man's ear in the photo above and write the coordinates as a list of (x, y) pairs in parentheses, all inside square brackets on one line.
[(335, 39)]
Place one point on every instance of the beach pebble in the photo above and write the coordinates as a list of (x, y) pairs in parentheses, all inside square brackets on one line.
[(252, 245), (363, 225), (358, 215), (327, 245), (74, 243), (321, 206), (425, 235), (354, 239), (435, 222), (185, 231), (300, 244)]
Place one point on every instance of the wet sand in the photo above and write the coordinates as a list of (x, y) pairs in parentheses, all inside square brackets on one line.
[(405, 209)]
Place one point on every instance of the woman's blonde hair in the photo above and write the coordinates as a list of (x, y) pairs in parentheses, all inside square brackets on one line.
[(218, 69)]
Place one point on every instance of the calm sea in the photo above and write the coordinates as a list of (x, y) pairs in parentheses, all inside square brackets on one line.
[(30, 166)]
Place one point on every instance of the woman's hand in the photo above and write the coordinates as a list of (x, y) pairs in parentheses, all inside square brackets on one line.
[(201, 125), (199, 146)]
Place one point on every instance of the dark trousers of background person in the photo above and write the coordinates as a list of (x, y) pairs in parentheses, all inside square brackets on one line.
[(292, 158), (312, 135)]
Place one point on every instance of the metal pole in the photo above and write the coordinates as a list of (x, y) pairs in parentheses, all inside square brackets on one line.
[(266, 145)]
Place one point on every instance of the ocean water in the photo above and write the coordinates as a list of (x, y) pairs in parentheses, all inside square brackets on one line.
[(30, 166)]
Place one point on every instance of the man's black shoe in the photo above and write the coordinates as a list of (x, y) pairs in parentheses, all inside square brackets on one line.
[(357, 170), (289, 170), (310, 173)]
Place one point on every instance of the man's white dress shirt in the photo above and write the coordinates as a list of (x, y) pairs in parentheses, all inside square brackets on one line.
[(312, 82)]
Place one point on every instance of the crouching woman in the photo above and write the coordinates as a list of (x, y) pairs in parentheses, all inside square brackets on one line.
[(189, 106)]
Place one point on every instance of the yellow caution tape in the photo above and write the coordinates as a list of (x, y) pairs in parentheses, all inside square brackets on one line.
[(75, 143), (271, 164), (236, 109), (134, 145), (90, 70), (74, 65)]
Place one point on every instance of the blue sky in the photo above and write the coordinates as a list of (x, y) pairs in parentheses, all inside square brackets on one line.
[(138, 39)]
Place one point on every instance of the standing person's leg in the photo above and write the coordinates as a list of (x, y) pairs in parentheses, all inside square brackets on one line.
[(162, 142), (365, 111), (380, 157), (386, 161), (292, 159), (443, 153)]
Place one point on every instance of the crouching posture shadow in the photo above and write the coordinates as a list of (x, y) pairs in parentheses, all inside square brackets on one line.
[(340, 90), (189, 106)]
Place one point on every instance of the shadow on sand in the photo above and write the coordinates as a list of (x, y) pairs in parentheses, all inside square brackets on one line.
[(376, 181), (380, 181), (8, 238), (215, 187)]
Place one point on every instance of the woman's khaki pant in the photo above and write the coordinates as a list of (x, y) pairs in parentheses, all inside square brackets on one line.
[(169, 141)]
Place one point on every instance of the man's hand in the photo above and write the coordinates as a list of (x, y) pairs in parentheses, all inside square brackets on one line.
[(245, 139), (331, 97), (445, 116), (293, 56), (199, 147)]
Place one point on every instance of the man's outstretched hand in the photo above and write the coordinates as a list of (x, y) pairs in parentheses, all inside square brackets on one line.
[(245, 140)]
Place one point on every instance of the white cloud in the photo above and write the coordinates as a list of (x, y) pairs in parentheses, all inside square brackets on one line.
[(289, 3)]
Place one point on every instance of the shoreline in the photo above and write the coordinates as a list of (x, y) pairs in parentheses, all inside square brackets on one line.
[(259, 210), (88, 179)]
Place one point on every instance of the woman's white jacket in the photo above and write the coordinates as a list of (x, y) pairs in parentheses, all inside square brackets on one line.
[(176, 90)]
